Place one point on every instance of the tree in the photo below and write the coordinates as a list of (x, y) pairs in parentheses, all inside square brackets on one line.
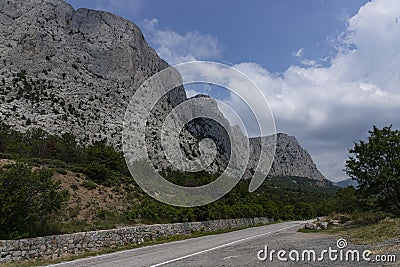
[(68, 150), (28, 202), (107, 156), (97, 172), (375, 165), (346, 200)]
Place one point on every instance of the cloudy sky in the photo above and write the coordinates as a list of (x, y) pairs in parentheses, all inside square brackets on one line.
[(329, 69)]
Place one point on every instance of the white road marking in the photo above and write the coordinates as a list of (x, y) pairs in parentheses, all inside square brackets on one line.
[(231, 257), (222, 246)]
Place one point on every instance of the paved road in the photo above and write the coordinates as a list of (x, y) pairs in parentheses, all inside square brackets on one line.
[(238, 248)]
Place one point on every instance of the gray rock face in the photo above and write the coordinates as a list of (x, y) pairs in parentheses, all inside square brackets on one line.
[(66, 70), (292, 160), (81, 68)]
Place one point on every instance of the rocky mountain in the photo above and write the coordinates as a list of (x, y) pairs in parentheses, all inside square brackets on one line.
[(347, 183), (290, 158), (70, 70), (66, 70)]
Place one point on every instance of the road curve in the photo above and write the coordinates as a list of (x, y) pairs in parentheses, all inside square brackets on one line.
[(178, 252)]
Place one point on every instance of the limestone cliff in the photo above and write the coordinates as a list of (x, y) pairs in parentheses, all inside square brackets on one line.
[(66, 70)]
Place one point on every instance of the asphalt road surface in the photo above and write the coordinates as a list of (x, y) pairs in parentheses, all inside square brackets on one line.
[(238, 248)]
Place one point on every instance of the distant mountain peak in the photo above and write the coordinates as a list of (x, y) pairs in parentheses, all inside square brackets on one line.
[(290, 158), (347, 183)]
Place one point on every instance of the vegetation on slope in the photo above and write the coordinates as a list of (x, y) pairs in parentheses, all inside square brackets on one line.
[(29, 202), (98, 170)]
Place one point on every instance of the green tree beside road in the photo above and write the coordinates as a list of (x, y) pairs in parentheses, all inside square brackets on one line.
[(375, 165)]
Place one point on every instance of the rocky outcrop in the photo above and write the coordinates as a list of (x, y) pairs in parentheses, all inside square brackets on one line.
[(293, 160), (290, 159), (66, 70)]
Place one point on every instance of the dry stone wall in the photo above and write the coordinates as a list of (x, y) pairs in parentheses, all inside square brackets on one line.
[(61, 245)]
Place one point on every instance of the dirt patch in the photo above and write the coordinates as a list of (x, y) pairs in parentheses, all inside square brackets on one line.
[(4, 162), (84, 203)]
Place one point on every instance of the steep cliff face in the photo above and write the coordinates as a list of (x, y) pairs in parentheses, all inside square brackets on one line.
[(66, 70), (290, 158)]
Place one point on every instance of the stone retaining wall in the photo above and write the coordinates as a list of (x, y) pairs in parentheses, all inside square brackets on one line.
[(59, 245)]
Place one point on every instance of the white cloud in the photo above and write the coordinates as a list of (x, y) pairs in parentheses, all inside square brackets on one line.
[(374, 33), (299, 53), (310, 63), (307, 62), (177, 48)]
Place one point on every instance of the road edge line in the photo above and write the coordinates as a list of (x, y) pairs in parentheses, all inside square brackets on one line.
[(221, 246)]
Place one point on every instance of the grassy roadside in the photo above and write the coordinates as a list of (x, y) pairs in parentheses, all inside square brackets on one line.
[(377, 230), (383, 230), (107, 250)]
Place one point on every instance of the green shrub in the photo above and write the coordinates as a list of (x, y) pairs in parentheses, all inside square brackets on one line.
[(97, 172), (89, 185), (28, 202)]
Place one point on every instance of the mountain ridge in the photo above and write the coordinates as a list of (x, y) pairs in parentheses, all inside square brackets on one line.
[(347, 183), (76, 71)]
